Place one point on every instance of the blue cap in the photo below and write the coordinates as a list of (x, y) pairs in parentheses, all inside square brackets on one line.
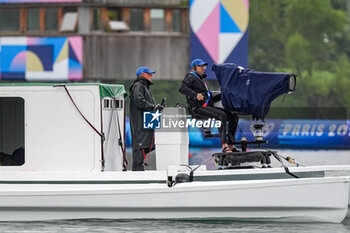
[(144, 69), (198, 62)]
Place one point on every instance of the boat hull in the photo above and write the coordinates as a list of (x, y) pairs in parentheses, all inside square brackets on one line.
[(301, 200)]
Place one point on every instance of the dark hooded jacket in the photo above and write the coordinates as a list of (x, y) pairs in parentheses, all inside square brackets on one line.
[(141, 100), (191, 86)]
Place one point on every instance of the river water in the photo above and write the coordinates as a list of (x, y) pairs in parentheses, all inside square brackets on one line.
[(107, 226), (198, 155)]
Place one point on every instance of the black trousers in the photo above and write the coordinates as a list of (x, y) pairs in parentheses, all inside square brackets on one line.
[(223, 116), (138, 160)]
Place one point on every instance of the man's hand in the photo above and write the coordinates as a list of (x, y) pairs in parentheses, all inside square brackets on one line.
[(158, 107), (200, 96)]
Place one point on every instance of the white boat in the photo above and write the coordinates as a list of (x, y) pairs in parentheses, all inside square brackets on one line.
[(61, 159), (288, 200)]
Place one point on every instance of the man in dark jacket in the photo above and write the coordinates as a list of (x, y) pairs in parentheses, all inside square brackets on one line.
[(141, 100), (201, 102)]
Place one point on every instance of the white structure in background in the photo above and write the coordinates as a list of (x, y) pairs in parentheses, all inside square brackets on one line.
[(118, 26), (173, 140), (57, 165), (69, 22)]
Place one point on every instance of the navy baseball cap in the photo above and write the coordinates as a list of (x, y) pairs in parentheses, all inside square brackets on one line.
[(144, 69), (198, 62)]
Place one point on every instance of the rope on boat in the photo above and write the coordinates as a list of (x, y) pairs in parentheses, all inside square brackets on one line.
[(101, 134), (121, 140), (81, 114)]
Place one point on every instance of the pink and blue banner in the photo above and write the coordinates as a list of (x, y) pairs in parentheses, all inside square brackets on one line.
[(219, 31), (41, 58), (35, 1)]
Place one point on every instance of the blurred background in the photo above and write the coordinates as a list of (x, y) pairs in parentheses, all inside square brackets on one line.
[(107, 40)]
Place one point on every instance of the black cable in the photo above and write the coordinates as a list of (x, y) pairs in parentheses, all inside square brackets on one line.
[(194, 169), (277, 156), (289, 173), (186, 165)]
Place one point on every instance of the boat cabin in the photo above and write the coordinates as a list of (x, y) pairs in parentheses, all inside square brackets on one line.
[(61, 127), (75, 127)]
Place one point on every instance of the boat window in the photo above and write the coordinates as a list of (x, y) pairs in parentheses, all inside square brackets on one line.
[(11, 131), (118, 104), (107, 103)]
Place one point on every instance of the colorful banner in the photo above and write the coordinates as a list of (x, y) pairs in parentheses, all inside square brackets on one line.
[(34, 1), (41, 58), (219, 31)]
